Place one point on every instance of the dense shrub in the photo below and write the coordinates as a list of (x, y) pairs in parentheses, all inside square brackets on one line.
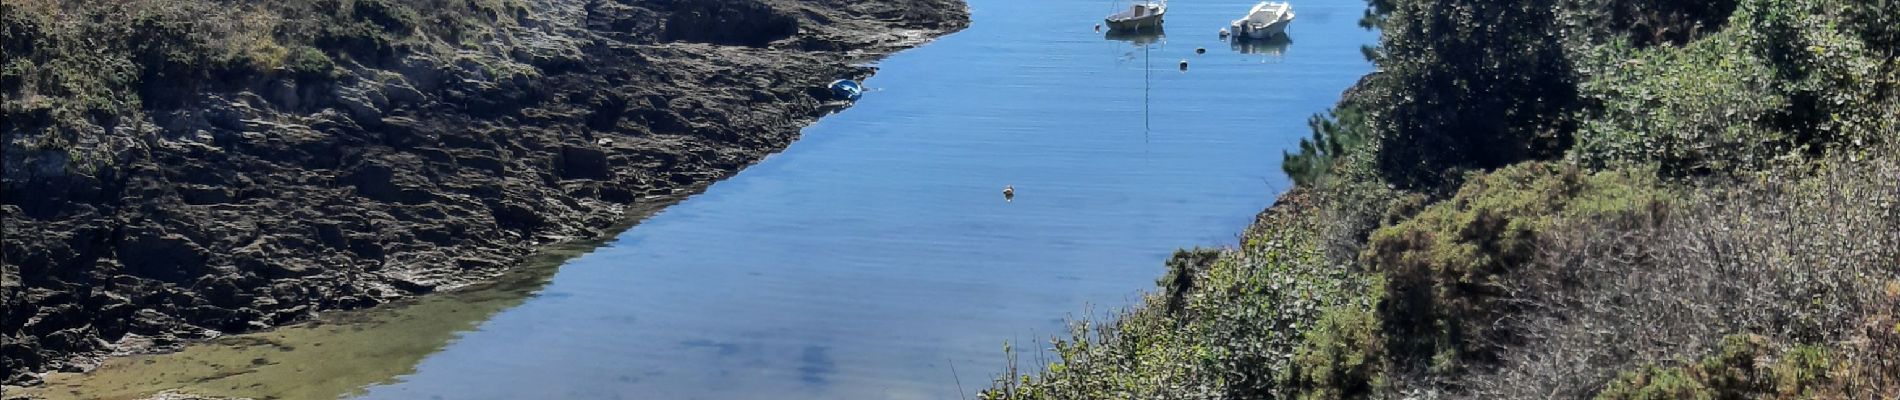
[(1706, 107), (1738, 370), (309, 63), (1180, 280), (176, 51), (1790, 257), (1475, 84), (1335, 134), (394, 18), (19, 34), (1783, 86), (1730, 173), (1447, 267), (1840, 90), (1647, 23), (1877, 22), (1342, 357), (1249, 317)]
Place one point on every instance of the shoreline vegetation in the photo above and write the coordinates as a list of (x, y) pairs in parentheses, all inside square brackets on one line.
[(1552, 199), (1609, 199), (177, 170)]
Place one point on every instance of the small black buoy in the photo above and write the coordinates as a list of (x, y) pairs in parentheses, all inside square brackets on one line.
[(1183, 65), (1200, 50)]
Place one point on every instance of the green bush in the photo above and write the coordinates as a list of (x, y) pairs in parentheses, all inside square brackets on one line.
[(1687, 209), (1647, 23), (394, 18), (1444, 267), (20, 34), (1336, 133), (1180, 280), (1474, 84), (1781, 86), (1840, 89), (1227, 327), (306, 62), (1734, 372), (1877, 22), (1706, 107), (1340, 358)]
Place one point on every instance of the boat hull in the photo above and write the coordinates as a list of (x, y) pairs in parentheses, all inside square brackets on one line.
[(1251, 31), (1264, 20), (1147, 23), (1141, 17)]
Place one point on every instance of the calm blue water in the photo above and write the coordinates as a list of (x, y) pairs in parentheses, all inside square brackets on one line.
[(870, 255)]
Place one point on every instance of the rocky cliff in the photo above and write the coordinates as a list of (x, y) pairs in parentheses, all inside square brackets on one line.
[(177, 169)]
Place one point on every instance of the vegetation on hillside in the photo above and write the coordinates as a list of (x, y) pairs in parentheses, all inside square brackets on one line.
[(76, 70), (1613, 199)]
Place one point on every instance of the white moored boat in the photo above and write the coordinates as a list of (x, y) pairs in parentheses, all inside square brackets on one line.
[(1265, 20), (1140, 17)]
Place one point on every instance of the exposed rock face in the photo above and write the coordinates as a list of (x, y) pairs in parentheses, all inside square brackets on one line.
[(259, 204), (739, 23)]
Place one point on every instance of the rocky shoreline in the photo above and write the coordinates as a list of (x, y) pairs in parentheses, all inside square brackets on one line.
[(265, 199)]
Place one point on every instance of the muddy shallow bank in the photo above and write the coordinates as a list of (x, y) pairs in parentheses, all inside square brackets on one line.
[(266, 199), (336, 354)]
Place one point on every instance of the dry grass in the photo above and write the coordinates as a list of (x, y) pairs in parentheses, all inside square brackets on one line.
[(1799, 260)]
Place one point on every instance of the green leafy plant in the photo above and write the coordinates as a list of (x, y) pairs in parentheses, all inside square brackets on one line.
[(307, 62), (1445, 267), (1734, 372), (1340, 358), (1472, 84), (1335, 134)]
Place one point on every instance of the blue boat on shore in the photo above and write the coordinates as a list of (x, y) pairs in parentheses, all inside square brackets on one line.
[(846, 89)]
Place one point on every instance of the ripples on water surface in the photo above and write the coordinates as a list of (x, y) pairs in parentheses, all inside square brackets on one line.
[(864, 259)]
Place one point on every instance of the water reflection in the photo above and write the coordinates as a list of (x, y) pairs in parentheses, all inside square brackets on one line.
[(345, 350), (1143, 42), (1138, 38), (774, 285), (1273, 46), (816, 367)]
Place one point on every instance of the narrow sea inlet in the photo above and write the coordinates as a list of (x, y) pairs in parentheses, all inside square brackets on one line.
[(875, 253)]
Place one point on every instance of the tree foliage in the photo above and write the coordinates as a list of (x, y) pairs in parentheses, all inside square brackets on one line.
[(1558, 199), (1475, 84), (1447, 267), (1335, 134), (1783, 86)]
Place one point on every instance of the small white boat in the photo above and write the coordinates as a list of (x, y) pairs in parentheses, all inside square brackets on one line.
[(1265, 20), (1140, 17)]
